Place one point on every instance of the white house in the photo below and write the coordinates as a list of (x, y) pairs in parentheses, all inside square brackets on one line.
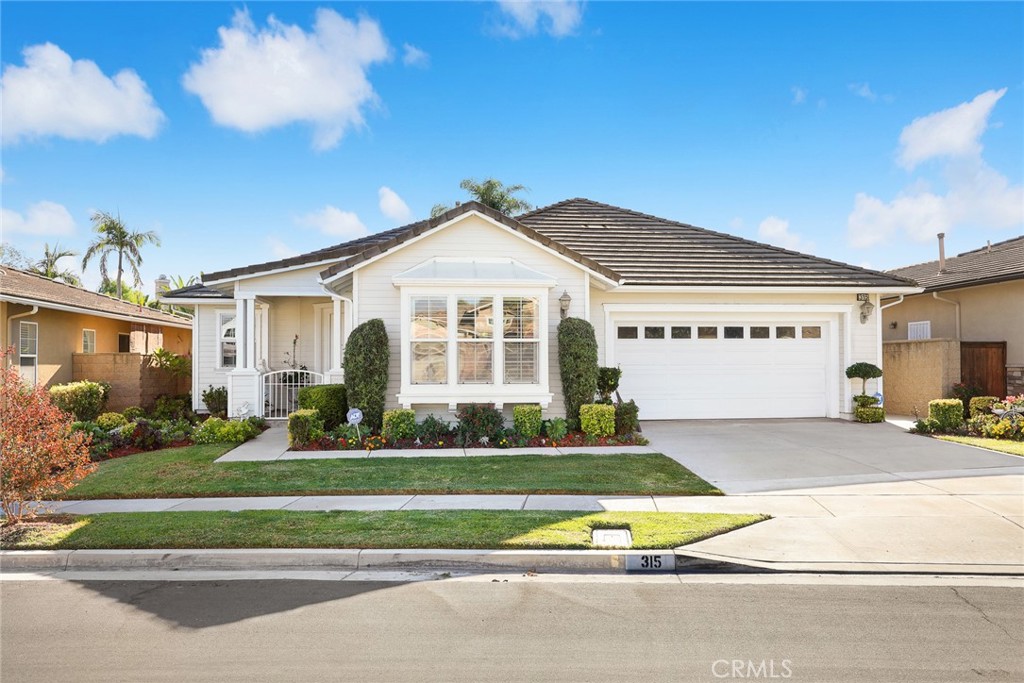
[(703, 324)]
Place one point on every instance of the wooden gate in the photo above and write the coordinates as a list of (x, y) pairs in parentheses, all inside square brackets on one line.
[(983, 364)]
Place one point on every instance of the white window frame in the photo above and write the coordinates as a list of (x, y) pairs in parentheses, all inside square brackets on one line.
[(85, 336), (921, 329), (221, 339), (22, 326), (497, 391)]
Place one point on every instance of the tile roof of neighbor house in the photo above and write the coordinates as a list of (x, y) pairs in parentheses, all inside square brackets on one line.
[(36, 289), (996, 263), (625, 246)]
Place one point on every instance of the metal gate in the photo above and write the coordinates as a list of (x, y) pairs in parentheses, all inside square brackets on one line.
[(281, 390)]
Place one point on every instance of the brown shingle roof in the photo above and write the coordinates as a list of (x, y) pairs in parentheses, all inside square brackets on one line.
[(998, 263), (42, 291)]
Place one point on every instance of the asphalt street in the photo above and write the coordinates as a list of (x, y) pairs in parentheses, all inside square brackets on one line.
[(522, 630)]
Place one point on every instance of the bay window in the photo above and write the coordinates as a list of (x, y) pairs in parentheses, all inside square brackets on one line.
[(520, 331), (429, 340), (475, 339)]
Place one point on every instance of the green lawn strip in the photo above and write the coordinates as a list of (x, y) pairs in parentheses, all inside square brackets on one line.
[(1001, 445), (189, 472), (487, 529)]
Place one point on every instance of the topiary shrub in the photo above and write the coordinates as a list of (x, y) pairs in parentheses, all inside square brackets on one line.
[(216, 400), (478, 421), (869, 414), (947, 414), (863, 372), (627, 418), (83, 400), (597, 419), (577, 360), (608, 383), (433, 428), (304, 427), (331, 400), (366, 371), (526, 420), (865, 401), (982, 405), (399, 424), (108, 421)]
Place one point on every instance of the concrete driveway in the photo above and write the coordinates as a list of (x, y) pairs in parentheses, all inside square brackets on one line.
[(848, 495)]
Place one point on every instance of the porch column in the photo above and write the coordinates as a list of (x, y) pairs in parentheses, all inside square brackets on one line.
[(250, 333), (240, 334), (243, 382), (335, 374)]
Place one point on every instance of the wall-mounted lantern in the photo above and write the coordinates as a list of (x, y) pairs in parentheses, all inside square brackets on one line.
[(563, 302)]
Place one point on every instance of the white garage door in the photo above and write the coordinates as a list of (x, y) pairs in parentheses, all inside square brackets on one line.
[(692, 369)]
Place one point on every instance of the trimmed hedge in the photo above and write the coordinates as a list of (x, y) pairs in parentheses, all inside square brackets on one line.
[(627, 418), (219, 430), (304, 427), (399, 424), (597, 419), (331, 400), (608, 382), (478, 420), (526, 420), (109, 421), (869, 414), (946, 413), (366, 371), (865, 401), (84, 400), (982, 405), (133, 413), (577, 361)]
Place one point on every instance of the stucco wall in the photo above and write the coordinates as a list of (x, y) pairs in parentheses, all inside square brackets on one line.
[(917, 372)]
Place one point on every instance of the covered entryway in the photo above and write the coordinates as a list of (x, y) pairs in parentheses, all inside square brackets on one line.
[(700, 368)]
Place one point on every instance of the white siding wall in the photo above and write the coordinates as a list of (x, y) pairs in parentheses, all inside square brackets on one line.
[(302, 281), (290, 316), (204, 367), (470, 237)]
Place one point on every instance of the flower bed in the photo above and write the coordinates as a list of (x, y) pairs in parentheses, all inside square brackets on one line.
[(376, 442), (989, 419)]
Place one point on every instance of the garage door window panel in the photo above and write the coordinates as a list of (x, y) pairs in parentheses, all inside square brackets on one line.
[(760, 332), (733, 332), (810, 332), (681, 332), (654, 332), (706, 332), (785, 332), (627, 333)]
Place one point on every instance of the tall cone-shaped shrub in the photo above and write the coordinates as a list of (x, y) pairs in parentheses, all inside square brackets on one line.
[(366, 371), (577, 361)]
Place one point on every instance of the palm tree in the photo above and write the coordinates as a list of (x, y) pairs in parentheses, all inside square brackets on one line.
[(48, 267), (492, 193), (114, 237)]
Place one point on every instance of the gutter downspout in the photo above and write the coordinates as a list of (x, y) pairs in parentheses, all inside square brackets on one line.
[(894, 303), (11, 318), (955, 303)]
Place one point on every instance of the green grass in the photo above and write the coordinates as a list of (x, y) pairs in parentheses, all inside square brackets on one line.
[(392, 529), (1001, 445), (189, 472)]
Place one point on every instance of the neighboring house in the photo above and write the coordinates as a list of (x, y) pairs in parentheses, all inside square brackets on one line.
[(703, 324), (967, 325), (61, 333)]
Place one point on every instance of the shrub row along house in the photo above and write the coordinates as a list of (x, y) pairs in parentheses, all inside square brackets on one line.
[(702, 324), (61, 333)]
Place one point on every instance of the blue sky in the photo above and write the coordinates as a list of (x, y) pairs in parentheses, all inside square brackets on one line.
[(247, 132)]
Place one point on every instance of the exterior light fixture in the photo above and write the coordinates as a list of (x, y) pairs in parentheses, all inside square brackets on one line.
[(563, 302), (865, 311)]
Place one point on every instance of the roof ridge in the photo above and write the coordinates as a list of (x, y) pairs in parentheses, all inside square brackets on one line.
[(991, 246)]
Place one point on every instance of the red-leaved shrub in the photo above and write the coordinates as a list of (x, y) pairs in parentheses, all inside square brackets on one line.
[(40, 457)]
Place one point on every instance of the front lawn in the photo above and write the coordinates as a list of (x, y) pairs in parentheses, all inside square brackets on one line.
[(1001, 445), (497, 529), (190, 472)]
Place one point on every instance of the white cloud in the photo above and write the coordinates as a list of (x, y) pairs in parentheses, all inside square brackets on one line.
[(332, 221), (975, 194), (41, 218), (953, 132), (53, 95), (413, 56), (279, 249), (775, 230), (799, 94), (863, 90), (558, 18), (261, 78), (392, 206)]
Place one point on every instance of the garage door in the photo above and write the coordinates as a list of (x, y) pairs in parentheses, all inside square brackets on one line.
[(692, 369)]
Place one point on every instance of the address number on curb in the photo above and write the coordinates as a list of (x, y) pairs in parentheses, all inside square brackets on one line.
[(651, 563)]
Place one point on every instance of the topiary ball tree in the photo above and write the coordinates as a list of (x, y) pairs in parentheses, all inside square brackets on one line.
[(577, 361), (863, 372), (366, 371)]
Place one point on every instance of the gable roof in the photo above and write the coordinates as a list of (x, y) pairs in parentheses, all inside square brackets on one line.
[(22, 287), (652, 251), (990, 264), (196, 291)]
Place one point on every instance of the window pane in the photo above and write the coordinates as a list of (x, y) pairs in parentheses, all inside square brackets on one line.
[(627, 333), (759, 332), (429, 363), (785, 333), (88, 341), (733, 332), (124, 343), (707, 333), (476, 317), (654, 333), (521, 362), (680, 332), (475, 363), (228, 352), (227, 326), (520, 318), (429, 317), (29, 339), (810, 332)]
